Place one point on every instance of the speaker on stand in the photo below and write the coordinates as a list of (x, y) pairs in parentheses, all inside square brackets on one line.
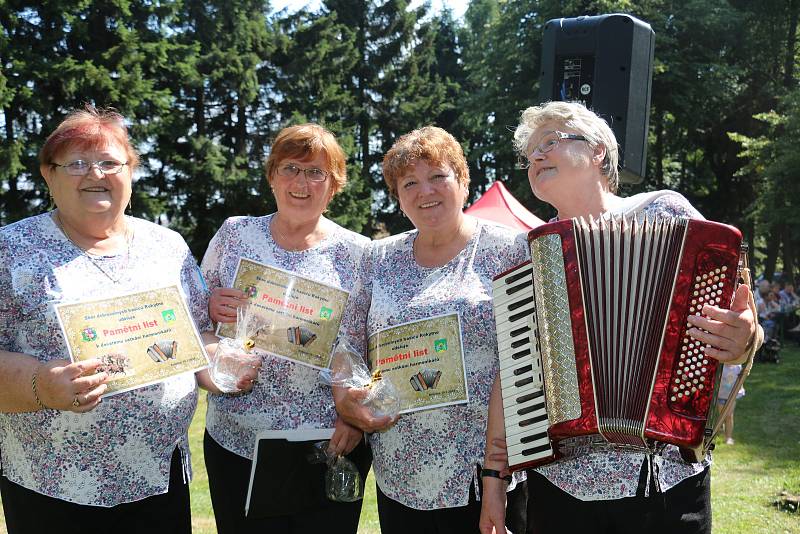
[(606, 62)]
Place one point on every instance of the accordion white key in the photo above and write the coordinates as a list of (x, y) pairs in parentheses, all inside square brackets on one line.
[(592, 333)]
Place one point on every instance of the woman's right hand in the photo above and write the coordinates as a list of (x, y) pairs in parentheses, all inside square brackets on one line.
[(223, 303), (351, 408), (493, 506), (73, 387)]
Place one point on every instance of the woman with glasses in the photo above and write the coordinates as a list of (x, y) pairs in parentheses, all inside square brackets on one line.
[(573, 158), (305, 169), (73, 461)]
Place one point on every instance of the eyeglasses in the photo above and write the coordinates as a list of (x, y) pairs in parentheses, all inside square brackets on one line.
[(312, 175), (548, 143), (82, 168)]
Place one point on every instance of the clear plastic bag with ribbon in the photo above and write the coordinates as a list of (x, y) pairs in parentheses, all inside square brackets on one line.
[(349, 370), (343, 481), (233, 356)]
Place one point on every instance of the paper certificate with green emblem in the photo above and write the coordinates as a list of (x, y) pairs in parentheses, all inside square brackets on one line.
[(142, 338), (424, 360), (298, 318)]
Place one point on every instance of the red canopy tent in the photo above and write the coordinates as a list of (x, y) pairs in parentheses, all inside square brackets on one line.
[(498, 205)]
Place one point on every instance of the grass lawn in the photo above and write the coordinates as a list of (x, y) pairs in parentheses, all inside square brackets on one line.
[(747, 477)]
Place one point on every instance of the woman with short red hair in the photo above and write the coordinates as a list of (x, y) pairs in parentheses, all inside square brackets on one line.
[(427, 462), (72, 463), (305, 169)]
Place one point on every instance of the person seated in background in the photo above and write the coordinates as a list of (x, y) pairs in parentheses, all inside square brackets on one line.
[(769, 311), (790, 302)]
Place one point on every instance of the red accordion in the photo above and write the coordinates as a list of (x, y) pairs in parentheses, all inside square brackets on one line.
[(592, 333)]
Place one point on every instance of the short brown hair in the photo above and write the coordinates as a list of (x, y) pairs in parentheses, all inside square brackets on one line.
[(431, 144), (89, 128), (306, 141)]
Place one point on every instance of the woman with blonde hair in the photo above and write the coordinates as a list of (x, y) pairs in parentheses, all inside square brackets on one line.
[(572, 160)]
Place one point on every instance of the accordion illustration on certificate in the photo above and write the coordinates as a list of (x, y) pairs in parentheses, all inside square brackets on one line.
[(297, 318), (142, 338), (425, 360)]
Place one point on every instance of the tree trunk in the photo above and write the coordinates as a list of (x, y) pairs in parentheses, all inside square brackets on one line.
[(791, 41), (658, 149), (363, 112), (13, 208), (773, 246), (788, 254)]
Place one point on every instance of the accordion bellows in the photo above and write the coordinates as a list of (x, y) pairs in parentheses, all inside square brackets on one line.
[(604, 305)]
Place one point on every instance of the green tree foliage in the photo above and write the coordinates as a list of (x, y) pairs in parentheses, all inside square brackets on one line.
[(313, 61), (54, 57), (206, 84), (773, 161), (206, 156)]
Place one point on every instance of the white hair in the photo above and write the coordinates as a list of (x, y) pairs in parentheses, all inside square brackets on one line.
[(575, 116)]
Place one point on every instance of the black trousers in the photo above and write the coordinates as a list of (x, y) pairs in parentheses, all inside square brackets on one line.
[(396, 518), (28, 512), (684, 509), (228, 478)]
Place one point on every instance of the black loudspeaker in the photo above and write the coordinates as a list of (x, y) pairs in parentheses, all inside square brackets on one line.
[(606, 62)]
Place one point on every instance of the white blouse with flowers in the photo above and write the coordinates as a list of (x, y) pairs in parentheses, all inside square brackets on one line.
[(428, 459), (287, 395), (120, 451), (601, 472)]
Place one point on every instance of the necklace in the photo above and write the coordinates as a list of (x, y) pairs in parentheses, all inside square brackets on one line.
[(273, 226), (88, 255), (458, 233)]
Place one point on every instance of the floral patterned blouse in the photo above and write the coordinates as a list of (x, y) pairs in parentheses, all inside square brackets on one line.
[(120, 451), (287, 395), (427, 459), (601, 472)]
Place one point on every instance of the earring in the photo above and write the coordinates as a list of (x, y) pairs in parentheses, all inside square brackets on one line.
[(130, 205), (52, 204)]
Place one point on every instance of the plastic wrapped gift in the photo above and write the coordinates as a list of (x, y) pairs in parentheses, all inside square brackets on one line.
[(233, 358), (349, 370)]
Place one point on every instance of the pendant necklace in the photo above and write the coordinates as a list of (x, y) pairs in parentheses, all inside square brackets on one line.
[(88, 255)]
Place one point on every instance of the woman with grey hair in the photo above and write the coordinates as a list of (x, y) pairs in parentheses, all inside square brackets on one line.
[(572, 160)]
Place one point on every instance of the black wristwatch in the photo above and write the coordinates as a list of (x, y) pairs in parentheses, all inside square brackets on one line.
[(495, 474)]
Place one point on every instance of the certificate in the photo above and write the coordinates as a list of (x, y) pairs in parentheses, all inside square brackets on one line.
[(424, 360), (142, 338), (298, 317)]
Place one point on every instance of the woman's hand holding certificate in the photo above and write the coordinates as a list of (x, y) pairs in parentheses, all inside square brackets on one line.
[(224, 302)]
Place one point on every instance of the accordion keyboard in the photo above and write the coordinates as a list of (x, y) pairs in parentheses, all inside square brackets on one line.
[(521, 383)]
